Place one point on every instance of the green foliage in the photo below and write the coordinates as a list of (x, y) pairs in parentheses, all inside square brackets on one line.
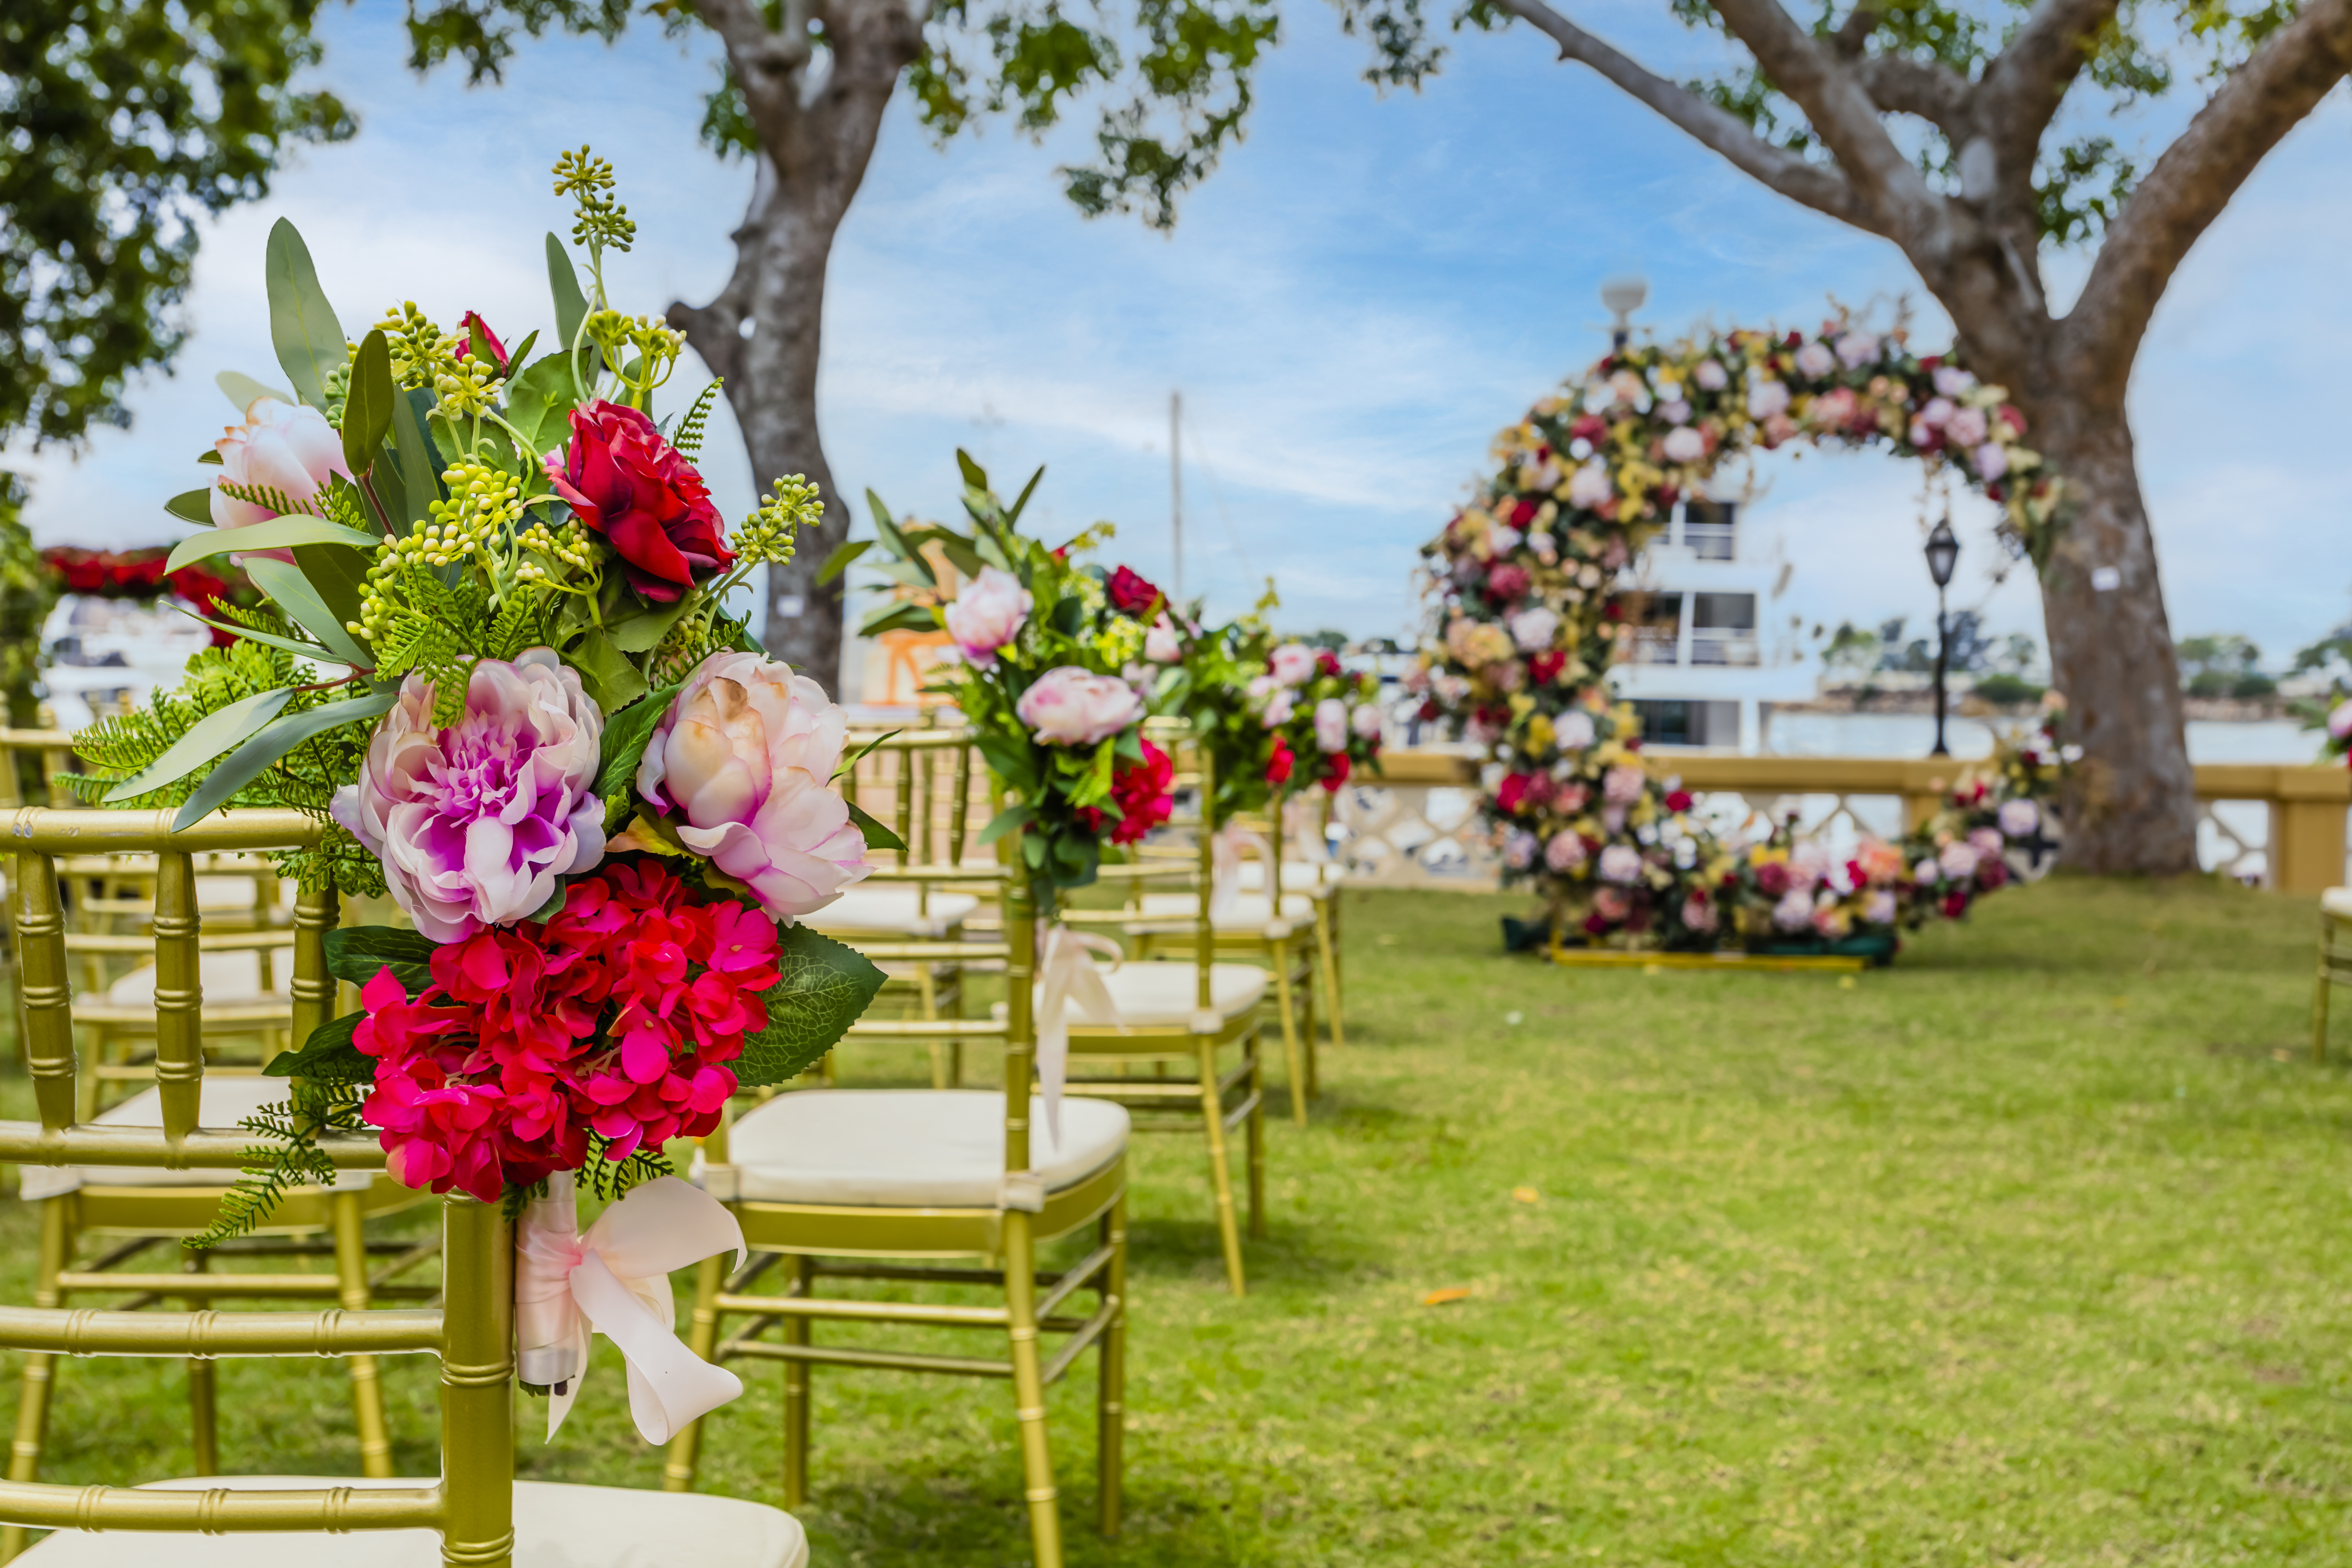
[(125, 122), (2224, 664), (305, 777), (29, 590), (290, 1158), (826, 988), (2003, 690), (358, 953)]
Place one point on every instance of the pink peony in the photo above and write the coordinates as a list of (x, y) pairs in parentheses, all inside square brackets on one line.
[(1953, 382), (1291, 663), (1622, 785), (1684, 444), (1068, 706), (988, 614), (281, 447), (1857, 349), (1816, 360), (1622, 864), (2339, 720), (1565, 853), (745, 759), (1992, 462), (1591, 487), (1698, 914), (1366, 721), (475, 823), (1572, 731), (1958, 859), (1331, 725), (1533, 628), (1710, 376), (1767, 397), (1967, 427)]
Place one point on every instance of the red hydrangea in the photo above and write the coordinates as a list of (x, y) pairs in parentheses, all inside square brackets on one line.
[(1130, 595), (636, 490), (602, 1031), (1334, 772), (1279, 766), (1143, 795)]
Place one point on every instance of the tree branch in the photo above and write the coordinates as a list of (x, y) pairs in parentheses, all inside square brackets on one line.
[(2025, 83), (2260, 102), (716, 331), (1936, 93), (1821, 189), (1829, 88)]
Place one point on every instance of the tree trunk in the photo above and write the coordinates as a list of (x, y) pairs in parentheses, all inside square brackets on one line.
[(2132, 805)]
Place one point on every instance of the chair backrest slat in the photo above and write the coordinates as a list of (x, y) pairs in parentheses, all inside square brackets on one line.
[(42, 988), (179, 994)]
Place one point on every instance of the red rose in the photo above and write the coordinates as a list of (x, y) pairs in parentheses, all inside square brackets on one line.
[(1956, 904), (1143, 795), (1523, 513), (1772, 879), (1336, 765), (1678, 800), (472, 322), (1515, 791), (1545, 667), (1507, 582), (1327, 663), (638, 491), (1991, 872), (1277, 767), (1130, 595)]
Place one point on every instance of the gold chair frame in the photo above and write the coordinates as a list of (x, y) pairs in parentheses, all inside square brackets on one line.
[(1005, 1240), (2335, 969), (472, 1333)]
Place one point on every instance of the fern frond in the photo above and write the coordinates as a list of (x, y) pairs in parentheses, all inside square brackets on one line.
[(689, 438), (292, 1159), (269, 496)]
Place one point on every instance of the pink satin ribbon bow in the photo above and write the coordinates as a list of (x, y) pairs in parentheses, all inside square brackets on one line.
[(1066, 974), (1226, 851), (614, 1281)]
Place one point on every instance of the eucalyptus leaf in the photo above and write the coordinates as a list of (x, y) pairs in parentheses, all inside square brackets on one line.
[(974, 474), (291, 592), (414, 454), (1027, 490), (193, 506), (249, 761), (838, 561), (302, 325), (825, 987), (564, 283), (207, 738), (878, 836), (299, 649), (906, 552), (271, 533), (245, 392), (902, 617), (367, 406)]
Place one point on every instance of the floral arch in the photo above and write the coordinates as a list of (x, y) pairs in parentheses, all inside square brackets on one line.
[(1527, 620)]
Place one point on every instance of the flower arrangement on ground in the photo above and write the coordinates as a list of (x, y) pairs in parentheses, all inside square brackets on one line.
[(493, 655), (1525, 582)]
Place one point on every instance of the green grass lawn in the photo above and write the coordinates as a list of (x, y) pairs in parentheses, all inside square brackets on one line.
[(2018, 1253)]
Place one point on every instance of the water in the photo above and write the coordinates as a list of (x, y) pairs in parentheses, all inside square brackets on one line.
[(1911, 736)]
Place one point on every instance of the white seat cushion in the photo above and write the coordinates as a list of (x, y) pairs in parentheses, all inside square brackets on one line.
[(1157, 994), (231, 976), (224, 894), (1296, 875), (895, 910), (555, 1527), (907, 1148), (227, 1100), (2338, 902), (1251, 911)]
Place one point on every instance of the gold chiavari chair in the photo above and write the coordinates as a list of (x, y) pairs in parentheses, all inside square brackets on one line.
[(1176, 1014), (476, 1513), (838, 1185), (1277, 927), (129, 1212), (919, 782)]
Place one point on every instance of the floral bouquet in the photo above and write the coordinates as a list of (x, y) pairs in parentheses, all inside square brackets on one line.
[(1783, 892), (1335, 723), (1996, 824), (1051, 674), (1618, 857), (493, 654)]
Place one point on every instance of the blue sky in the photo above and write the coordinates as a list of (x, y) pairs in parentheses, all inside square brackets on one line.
[(1366, 290)]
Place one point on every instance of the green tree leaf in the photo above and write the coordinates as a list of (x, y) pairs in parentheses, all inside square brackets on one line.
[(825, 987), (302, 325)]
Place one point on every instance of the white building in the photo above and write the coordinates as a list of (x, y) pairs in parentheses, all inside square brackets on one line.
[(1706, 666)]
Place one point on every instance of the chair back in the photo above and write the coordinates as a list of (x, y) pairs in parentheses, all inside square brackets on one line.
[(471, 1334)]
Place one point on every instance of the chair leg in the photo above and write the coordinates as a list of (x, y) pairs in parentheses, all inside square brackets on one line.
[(926, 991), (796, 1392), (40, 1367), (1254, 1130), (1110, 1390), (203, 1388), (1029, 1390), (1304, 979), (702, 1339), (2319, 992), (1291, 1051), (367, 1387), (1221, 1180), (1327, 959)]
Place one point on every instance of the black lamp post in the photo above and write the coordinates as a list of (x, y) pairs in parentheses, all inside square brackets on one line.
[(1943, 550)]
